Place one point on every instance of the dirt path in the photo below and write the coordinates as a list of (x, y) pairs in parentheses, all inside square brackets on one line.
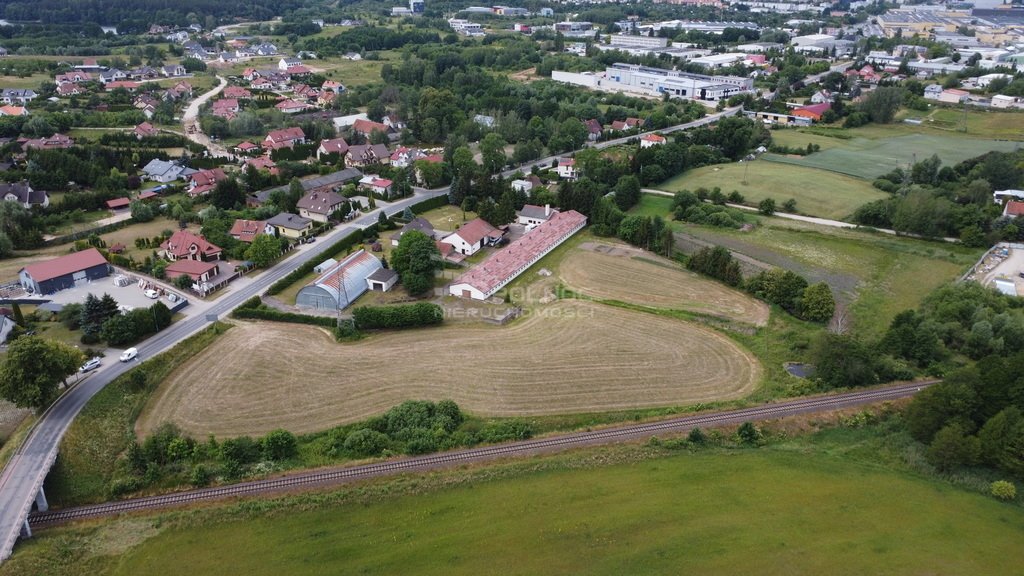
[(190, 121)]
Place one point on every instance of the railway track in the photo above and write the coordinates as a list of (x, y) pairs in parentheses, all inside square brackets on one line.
[(448, 459)]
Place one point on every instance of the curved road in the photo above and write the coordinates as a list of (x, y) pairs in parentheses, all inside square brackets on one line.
[(22, 478), (190, 121), (340, 475)]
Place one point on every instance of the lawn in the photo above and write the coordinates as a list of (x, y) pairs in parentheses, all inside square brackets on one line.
[(263, 376), (878, 275), (32, 81), (817, 192), (790, 509), (872, 154)]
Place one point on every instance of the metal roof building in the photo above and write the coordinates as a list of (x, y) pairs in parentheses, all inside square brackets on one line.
[(340, 284)]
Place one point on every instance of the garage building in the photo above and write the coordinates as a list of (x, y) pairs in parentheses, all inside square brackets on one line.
[(65, 272)]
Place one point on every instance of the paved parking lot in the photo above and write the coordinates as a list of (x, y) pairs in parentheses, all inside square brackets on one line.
[(130, 295)]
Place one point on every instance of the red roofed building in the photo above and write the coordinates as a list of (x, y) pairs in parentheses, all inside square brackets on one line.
[(368, 127), (225, 108), (51, 143), (196, 270), (627, 124), (263, 163), (649, 140), (145, 130), (237, 92), (334, 146), (246, 230), (204, 181), (184, 245), (246, 147), (67, 271), (472, 236), (291, 106), (491, 275), (297, 70), (126, 84), (567, 168), (284, 138), (70, 90), (118, 203), (814, 111), (593, 129), (1013, 209)]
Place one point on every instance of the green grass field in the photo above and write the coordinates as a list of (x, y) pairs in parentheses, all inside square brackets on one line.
[(820, 506), (868, 158), (817, 192)]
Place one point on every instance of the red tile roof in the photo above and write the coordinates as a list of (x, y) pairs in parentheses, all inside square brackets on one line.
[(368, 127), (180, 242), (118, 203), (286, 135), (246, 230), (76, 262), (475, 230), (208, 177), (336, 145), (1014, 208), (653, 138), (508, 263), (246, 146)]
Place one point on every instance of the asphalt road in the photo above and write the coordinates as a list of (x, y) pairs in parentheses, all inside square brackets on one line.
[(24, 474)]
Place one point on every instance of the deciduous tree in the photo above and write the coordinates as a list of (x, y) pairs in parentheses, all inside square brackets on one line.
[(34, 368)]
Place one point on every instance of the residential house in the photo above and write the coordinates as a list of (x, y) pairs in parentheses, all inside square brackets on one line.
[(319, 205), (403, 157), (23, 194), (333, 146), (627, 124), (185, 245), (522, 186), (304, 92), (112, 75), (932, 91), (57, 141), (246, 147), (954, 96), (648, 140), (368, 127), (11, 110), (204, 181), (164, 171), (366, 154), (261, 84), (263, 163), (333, 86), (393, 122), (237, 92), (822, 97), (567, 169), (1013, 209), (225, 108), (68, 90), (73, 77), (286, 63), (325, 99), (374, 184), (532, 216), (129, 85), (227, 57), (814, 111), (265, 49), (472, 236), (89, 65), (286, 225), (594, 129), (284, 138), (246, 230), (173, 71), (75, 269), (199, 271), (418, 224), (145, 130), (20, 96), (290, 106)]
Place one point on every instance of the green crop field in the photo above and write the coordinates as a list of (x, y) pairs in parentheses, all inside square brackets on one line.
[(869, 158), (817, 192), (795, 508)]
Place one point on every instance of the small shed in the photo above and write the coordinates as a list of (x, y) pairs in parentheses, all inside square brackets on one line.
[(382, 279)]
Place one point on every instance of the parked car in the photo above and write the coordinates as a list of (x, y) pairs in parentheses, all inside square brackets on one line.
[(91, 364), (129, 354), (152, 294)]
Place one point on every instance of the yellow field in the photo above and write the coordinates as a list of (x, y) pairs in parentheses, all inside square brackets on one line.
[(631, 275), (567, 357)]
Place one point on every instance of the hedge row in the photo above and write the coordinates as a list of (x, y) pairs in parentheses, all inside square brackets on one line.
[(86, 233), (403, 316), (254, 309)]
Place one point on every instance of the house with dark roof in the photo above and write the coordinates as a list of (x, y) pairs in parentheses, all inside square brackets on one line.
[(286, 225), (418, 224), (246, 230), (333, 146), (594, 129), (382, 279), (341, 284), (184, 245), (319, 205), (197, 270), (472, 236), (23, 194), (333, 181), (532, 216), (68, 271), (366, 154)]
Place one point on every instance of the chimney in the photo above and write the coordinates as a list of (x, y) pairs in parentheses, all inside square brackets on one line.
[(547, 209)]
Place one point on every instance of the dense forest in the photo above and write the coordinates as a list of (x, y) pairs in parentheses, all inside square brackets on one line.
[(137, 15)]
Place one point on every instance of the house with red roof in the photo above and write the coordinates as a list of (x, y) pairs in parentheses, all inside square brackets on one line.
[(594, 129), (648, 140), (237, 92), (75, 269), (263, 163), (368, 127), (333, 86), (1013, 209), (11, 110), (128, 85), (52, 143), (485, 279), (204, 181), (333, 146), (197, 270), (814, 111), (185, 245), (66, 90), (225, 108), (627, 124), (567, 168), (284, 138), (377, 185), (246, 230), (472, 236), (246, 147), (290, 106), (145, 130)]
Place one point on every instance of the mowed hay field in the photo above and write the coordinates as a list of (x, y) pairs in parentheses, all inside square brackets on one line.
[(626, 274), (817, 192), (566, 357)]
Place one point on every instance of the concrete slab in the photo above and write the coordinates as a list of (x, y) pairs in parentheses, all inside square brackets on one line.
[(131, 295)]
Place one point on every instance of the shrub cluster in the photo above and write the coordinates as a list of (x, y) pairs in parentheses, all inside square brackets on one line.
[(255, 309)]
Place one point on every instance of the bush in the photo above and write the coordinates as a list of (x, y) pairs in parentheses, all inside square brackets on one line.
[(405, 316), (365, 442), (506, 430), (263, 312), (1003, 490), (242, 450), (279, 445)]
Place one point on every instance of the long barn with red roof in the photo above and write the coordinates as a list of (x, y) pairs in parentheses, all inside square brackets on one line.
[(484, 280)]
